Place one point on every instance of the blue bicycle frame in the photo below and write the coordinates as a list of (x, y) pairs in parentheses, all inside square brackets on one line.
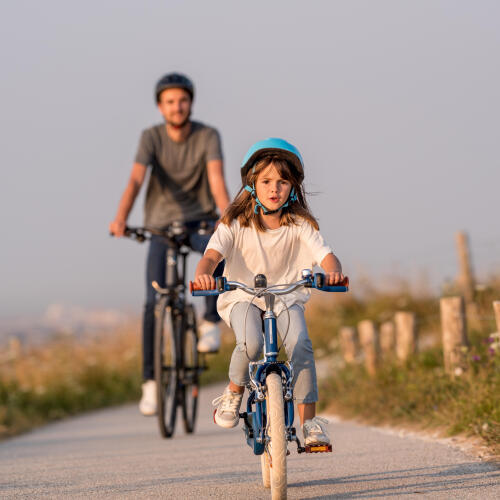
[(255, 417)]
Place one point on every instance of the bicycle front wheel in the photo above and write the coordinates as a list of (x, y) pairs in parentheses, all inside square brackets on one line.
[(166, 368), (266, 471), (190, 382), (277, 433)]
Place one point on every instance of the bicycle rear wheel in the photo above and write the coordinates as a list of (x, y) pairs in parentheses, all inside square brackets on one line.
[(190, 381), (166, 368), (277, 434)]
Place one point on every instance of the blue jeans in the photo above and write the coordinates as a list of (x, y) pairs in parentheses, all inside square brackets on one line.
[(155, 270)]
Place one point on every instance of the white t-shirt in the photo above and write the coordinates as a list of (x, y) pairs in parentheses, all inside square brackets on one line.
[(280, 254)]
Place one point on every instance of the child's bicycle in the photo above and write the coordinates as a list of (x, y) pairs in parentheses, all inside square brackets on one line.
[(268, 421)]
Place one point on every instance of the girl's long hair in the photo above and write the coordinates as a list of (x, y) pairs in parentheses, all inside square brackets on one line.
[(243, 206)]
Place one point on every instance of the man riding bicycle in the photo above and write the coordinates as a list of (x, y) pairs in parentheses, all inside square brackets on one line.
[(186, 184)]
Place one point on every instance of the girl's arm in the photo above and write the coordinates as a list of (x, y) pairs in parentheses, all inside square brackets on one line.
[(333, 269), (205, 268)]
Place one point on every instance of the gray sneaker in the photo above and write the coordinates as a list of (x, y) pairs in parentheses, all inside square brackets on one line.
[(228, 405), (314, 431)]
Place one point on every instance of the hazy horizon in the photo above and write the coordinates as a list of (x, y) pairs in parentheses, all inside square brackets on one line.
[(394, 105)]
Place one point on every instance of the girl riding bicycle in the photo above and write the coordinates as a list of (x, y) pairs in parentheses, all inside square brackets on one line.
[(268, 229)]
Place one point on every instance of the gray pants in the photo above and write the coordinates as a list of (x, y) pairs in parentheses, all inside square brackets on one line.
[(297, 344)]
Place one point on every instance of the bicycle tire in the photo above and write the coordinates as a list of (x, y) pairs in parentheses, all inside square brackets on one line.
[(190, 380), (266, 471), (166, 368), (277, 433)]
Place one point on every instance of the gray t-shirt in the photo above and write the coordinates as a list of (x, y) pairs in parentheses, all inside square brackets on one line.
[(178, 187)]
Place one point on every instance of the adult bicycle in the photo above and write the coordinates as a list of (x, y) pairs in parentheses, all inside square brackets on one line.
[(177, 363), (268, 419)]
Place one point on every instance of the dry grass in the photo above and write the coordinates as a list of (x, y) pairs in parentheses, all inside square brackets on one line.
[(65, 377)]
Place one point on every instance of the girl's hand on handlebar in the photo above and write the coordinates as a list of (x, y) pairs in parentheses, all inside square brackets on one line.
[(333, 278), (205, 282)]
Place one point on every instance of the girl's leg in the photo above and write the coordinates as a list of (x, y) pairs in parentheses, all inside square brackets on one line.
[(248, 333), (307, 411), (300, 353), (247, 329)]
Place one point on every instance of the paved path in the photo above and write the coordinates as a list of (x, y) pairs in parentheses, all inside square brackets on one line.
[(117, 453)]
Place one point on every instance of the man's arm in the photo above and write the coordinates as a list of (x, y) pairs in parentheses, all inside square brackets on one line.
[(117, 227), (215, 172)]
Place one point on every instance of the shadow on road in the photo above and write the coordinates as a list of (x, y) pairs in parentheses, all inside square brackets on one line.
[(433, 479)]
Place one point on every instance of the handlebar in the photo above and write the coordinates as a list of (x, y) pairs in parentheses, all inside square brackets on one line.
[(316, 280), (174, 230)]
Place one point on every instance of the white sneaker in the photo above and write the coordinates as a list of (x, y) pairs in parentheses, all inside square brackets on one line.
[(147, 405), (228, 408), (314, 431), (209, 336)]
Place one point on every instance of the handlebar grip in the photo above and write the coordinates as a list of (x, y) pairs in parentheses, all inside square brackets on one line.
[(319, 283), (193, 287), (344, 282), (196, 291), (220, 287)]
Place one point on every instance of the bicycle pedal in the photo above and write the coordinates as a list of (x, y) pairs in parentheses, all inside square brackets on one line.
[(318, 448)]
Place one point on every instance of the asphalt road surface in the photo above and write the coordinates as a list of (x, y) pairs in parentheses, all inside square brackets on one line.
[(117, 453)]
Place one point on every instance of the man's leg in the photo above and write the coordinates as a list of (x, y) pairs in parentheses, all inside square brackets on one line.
[(155, 270), (208, 328)]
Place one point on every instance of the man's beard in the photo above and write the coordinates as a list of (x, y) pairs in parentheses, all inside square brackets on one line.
[(182, 124)]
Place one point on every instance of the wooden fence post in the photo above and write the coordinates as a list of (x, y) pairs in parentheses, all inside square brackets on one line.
[(387, 338), (406, 334), (496, 308), (466, 276), (466, 280), (454, 333), (348, 343), (368, 338)]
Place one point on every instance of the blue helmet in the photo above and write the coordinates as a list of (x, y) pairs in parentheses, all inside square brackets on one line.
[(277, 146)]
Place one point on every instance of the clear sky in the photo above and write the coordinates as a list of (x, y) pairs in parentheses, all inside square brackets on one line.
[(394, 104)]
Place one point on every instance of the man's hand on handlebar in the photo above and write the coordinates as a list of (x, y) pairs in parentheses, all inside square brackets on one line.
[(205, 282), (117, 228)]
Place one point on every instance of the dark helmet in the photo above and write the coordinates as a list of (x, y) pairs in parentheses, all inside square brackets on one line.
[(174, 81)]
